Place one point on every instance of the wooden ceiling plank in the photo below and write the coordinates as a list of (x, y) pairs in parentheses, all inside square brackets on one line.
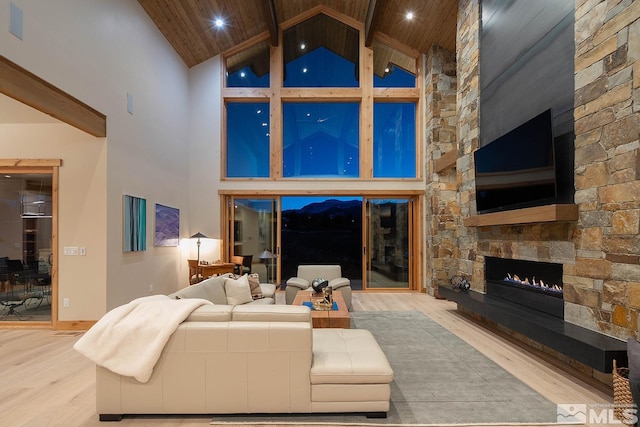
[(26, 87), (187, 23), (195, 32), (166, 19)]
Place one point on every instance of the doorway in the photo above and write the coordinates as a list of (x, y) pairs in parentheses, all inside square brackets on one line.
[(26, 248)]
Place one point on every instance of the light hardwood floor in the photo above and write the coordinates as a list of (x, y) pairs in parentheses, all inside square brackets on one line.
[(44, 382)]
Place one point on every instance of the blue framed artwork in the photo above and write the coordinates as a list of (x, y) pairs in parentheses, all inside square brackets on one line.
[(135, 224), (167, 226)]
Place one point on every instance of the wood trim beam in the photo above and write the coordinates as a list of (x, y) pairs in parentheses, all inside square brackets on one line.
[(26, 87), (447, 160), (537, 214), (272, 21), (367, 193), (30, 162), (370, 22)]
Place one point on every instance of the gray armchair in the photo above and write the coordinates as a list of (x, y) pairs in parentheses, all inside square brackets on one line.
[(306, 274)]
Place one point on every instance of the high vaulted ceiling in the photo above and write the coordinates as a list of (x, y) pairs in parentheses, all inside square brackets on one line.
[(188, 24)]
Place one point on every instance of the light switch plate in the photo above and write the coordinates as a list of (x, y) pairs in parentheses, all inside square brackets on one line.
[(71, 250)]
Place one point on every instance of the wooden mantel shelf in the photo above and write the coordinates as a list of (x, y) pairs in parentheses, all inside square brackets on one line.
[(547, 213), (447, 161)]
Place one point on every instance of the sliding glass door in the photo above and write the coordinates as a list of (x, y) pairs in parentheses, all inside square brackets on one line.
[(370, 238), (388, 246), (322, 230), (254, 233)]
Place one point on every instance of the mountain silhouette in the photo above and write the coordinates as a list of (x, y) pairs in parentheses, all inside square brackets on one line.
[(329, 206)]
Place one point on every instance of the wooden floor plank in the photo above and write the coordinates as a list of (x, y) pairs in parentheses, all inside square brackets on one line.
[(46, 383)]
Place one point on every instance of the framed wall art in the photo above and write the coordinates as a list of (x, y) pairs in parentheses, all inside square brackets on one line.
[(167, 232), (135, 224)]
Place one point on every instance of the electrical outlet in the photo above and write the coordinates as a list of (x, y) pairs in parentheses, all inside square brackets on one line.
[(65, 302)]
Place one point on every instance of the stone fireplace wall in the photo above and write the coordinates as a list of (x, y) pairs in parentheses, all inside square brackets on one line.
[(604, 292), (600, 252), (467, 48), (443, 212)]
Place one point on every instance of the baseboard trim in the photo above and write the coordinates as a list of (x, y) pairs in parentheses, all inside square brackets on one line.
[(74, 325)]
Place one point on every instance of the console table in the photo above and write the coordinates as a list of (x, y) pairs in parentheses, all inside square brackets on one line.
[(203, 271)]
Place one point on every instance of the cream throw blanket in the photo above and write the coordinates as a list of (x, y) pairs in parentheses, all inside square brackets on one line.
[(129, 339)]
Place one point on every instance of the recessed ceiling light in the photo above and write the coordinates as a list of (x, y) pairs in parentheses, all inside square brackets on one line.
[(303, 46), (242, 74), (304, 70), (386, 70), (218, 22), (409, 16)]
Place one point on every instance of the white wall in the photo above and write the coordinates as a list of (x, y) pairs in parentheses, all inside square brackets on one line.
[(205, 124), (98, 51), (82, 205)]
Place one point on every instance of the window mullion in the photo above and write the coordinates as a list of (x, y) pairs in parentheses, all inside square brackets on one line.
[(275, 131), (366, 112)]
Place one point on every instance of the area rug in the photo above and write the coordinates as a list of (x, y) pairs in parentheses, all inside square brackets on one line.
[(438, 379)]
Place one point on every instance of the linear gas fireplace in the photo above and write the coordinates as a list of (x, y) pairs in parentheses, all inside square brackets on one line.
[(532, 284)]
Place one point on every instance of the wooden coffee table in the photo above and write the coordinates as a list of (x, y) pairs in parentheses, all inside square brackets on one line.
[(339, 318)]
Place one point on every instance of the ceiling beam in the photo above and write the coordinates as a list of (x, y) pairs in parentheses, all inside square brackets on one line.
[(272, 21), (23, 86), (370, 23)]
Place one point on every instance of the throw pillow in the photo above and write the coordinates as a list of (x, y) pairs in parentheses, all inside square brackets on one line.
[(254, 284), (238, 291)]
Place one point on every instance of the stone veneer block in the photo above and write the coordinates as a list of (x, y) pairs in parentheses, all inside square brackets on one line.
[(579, 315)]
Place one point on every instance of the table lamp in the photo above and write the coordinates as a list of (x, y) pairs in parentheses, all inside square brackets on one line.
[(198, 236)]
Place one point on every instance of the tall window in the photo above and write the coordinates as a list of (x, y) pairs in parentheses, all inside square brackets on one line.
[(337, 116), (321, 52), (325, 122), (321, 139), (392, 68), (394, 140), (248, 140), (249, 68)]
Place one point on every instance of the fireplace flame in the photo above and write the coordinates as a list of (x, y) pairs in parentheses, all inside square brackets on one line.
[(540, 284)]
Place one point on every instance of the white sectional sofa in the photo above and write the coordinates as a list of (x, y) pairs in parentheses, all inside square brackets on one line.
[(222, 291), (254, 358)]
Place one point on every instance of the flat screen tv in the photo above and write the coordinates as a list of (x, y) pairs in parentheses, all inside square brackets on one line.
[(517, 170)]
